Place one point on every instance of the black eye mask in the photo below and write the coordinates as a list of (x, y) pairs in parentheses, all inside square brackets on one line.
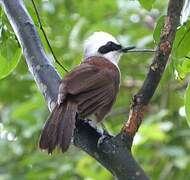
[(108, 47)]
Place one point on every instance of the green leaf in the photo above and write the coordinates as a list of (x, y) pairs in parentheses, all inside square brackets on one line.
[(158, 28), (181, 44), (187, 104), (8, 65), (10, 51), (180, 50), (182, 66), (147, 4)]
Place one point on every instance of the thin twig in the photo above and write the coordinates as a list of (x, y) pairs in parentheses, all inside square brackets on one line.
[(142, 50), (45, 36)]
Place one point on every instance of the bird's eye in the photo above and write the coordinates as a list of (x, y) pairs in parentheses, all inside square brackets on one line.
[(108, 47), (113, 46), (109, 43)]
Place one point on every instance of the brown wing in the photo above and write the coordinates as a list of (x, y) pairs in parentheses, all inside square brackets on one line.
[(78, 80), (84, 78), (92, 85)]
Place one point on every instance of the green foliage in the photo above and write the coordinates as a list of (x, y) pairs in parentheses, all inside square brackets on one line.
[(162, 143), (181, 44), (147, 4), (180, 50), (158, 28), (10, 52), (181, 59), (8, 66), (187, 104)]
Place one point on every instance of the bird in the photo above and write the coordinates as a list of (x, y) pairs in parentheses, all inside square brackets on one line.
[(89, 89)]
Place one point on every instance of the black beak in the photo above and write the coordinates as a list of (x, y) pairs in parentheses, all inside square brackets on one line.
[(126, 49)]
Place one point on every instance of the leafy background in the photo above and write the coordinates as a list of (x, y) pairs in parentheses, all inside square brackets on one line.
[(163, 141)]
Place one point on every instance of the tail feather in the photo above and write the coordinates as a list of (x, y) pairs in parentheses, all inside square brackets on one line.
[(66, 129), (59, 127)]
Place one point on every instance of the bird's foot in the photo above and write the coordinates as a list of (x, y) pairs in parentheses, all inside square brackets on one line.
[(103, 138), (104, 129)]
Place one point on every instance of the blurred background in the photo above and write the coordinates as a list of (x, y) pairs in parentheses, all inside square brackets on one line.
[(162, 144)]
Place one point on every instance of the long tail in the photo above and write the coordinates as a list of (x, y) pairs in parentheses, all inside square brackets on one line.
[(59, 127)]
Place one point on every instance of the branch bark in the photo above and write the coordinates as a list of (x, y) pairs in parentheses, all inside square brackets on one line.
[(142, 98), (113, 153)]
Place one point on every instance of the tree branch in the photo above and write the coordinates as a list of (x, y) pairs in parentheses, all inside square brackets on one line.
[(142, 98), (113, 152)]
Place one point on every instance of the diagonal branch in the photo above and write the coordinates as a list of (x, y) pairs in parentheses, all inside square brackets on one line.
[(113, 152), (142, 98)]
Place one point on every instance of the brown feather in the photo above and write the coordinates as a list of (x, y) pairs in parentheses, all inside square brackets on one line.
[(90, 88), (59, 127), (66, 127), (48, 139)]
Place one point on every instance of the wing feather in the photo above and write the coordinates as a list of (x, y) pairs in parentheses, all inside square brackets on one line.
[(91, 86)]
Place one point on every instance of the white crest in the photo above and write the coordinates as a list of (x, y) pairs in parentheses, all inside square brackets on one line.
[(95, 41)]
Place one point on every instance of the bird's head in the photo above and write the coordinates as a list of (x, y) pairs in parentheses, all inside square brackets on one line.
[(105, 45)]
